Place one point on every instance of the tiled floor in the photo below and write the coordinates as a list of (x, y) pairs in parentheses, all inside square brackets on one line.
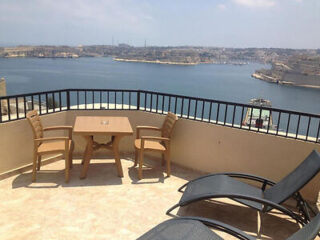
[(104, 206)]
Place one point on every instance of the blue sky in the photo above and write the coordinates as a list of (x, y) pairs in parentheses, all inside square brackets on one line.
[(221, 23)]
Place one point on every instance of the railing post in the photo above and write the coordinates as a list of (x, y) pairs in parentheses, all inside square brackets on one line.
[(68, 99), (138, 100)]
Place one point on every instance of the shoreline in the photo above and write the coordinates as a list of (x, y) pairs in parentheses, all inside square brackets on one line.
[(269, 79), (153, 61)]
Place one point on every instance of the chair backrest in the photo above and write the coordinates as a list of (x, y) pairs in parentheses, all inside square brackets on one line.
[(35, 122), (293, 182), (168, 125), (308, 232)]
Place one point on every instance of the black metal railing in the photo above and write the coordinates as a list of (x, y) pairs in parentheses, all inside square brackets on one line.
[(285, 123)]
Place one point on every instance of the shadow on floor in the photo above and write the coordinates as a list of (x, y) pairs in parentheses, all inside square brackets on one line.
[(256, 224), (152, 172), (99, 174)]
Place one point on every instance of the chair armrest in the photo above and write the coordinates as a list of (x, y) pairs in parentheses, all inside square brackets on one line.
[(139, 128), (37, 140), (155, 138), (69, 128)]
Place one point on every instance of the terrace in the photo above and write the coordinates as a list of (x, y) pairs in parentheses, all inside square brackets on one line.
[(209, 137)]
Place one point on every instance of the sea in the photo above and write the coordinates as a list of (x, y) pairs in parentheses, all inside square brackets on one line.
[(220, 82)]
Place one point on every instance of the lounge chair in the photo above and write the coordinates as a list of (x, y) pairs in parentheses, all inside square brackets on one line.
[(223, 185), (194, 228)]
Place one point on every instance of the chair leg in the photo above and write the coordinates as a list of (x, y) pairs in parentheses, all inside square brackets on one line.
[(34, 167), (67, 169), (71, 155), (168, 164), (136, 157), (163, 159), (39, 163), (140, 164)]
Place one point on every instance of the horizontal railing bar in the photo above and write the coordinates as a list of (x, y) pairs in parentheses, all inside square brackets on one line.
[(169, 95)]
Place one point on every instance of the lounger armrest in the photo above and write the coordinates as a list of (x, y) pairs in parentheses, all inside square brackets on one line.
[(38, 140), (268, 205), (262, 180), (69, 128), (222, 227), (139, 128)]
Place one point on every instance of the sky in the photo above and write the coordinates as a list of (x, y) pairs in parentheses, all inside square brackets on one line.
[(216, 23)]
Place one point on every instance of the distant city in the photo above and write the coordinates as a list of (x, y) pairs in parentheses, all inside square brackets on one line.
[(300, 67)]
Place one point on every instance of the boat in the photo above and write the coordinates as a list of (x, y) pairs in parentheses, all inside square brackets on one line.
[(257, 117)]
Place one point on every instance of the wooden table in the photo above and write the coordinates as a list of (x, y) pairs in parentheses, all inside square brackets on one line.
[(88, 127)]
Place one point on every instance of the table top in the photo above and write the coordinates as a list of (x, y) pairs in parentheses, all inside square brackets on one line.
[(88, 125)]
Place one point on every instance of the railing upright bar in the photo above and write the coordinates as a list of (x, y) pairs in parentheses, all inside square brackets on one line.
[(210, 110), (250, 121), (47, 105), (241, 119), (317, 138), (162, 109), (115, 99), (53, 102), (308, 128), (298, 125), (181, 112), (32, 103), (85, 100), (233, 115), (157, 101), (288, 124), (225, 115), (9, 112), (195, 110), (145, 101), (78, 100), (122, 92), (169, 107), (202, 114), (100, 99), (129, 100), (151, 98), (92, 99), (278, 125), (218, 110), (269, 121), (260, 113), (60, 101), (189, 108), (138, 100), (17, 108), (175, 105), (108, 100), (25, 106)]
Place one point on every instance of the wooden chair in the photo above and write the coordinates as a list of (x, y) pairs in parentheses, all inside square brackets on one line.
[(152, 143), (48, 145)]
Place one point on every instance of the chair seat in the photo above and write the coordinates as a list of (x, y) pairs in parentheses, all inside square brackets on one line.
[(149, 145), (53, 146)]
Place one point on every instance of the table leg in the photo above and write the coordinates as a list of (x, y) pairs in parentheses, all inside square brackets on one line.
[(87, 157), (115, 146)]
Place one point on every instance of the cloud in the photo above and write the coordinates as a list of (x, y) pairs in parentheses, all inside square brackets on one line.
[(222, 6), (256, 3)]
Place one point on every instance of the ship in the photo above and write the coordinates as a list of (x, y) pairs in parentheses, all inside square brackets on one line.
[(257, 117)]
